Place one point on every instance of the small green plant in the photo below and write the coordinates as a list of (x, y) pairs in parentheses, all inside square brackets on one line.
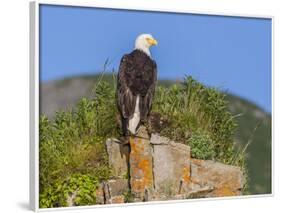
[(202, 146), (76, 190), (126, 175), (128, 196)]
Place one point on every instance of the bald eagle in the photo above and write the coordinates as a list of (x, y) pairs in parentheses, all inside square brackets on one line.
[(136, 82)]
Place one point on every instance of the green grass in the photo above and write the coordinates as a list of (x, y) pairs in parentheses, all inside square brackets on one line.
[(72, 145), (198, 116)]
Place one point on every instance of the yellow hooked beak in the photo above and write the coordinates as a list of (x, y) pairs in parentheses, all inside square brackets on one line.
[(152, 41)]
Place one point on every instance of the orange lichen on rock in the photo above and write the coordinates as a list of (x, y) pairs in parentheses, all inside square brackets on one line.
[(137, 186), (118, 199), (225, 190), (141, 176), (161, 169), (186, 175), (136, 145), (225, 180), (197, 162), (146, 166)]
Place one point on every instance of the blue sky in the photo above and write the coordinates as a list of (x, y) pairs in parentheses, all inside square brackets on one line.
[(231, 53)]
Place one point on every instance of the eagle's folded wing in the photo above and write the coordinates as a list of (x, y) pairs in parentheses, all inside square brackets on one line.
[(146, 101), (125, 99)]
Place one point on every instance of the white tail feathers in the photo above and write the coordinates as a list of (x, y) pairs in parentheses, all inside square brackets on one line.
[(134, 121)]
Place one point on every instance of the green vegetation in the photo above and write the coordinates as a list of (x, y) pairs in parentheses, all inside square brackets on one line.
[(128, 196), (73, 157), (202, 146), (83, 187), (198, 116), (73, 143)]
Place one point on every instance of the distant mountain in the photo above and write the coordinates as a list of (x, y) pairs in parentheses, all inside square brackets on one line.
[(254, 124)]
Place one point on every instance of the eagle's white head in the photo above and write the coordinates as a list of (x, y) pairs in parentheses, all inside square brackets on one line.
[(144, 42)]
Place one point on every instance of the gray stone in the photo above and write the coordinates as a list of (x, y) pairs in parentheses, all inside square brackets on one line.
[(171, 166), (156, 139), (114, 190), (100, 194), (118, 157), (118, 187), (161, 169), (70, 199), (225, 180)]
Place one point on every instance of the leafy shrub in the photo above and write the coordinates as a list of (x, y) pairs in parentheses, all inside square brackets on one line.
[(77, 189), (73, 142), (202, 146)]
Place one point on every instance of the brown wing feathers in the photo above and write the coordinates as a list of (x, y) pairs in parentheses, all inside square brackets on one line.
[(136, 77), (126, 100)]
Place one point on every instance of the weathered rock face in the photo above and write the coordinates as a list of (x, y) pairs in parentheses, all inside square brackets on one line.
[(141, 175), (171, 166), (118, 157), (160, 169), (100, 197), (112, 191), (222, 180)]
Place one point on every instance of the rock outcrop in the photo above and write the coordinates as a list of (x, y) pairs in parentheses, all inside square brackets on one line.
[(118, 157), (141, 166), (156, 168), (171, 166)]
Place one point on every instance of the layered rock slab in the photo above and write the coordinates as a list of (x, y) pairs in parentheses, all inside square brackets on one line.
[(118, 157), (160, 169), (221, 179), (171, 166), (112, 191)]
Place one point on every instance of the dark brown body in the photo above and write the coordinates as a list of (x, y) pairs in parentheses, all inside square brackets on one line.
[(136, 77)]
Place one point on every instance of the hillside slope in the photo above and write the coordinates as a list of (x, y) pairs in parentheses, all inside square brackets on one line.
[(254, 124)]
